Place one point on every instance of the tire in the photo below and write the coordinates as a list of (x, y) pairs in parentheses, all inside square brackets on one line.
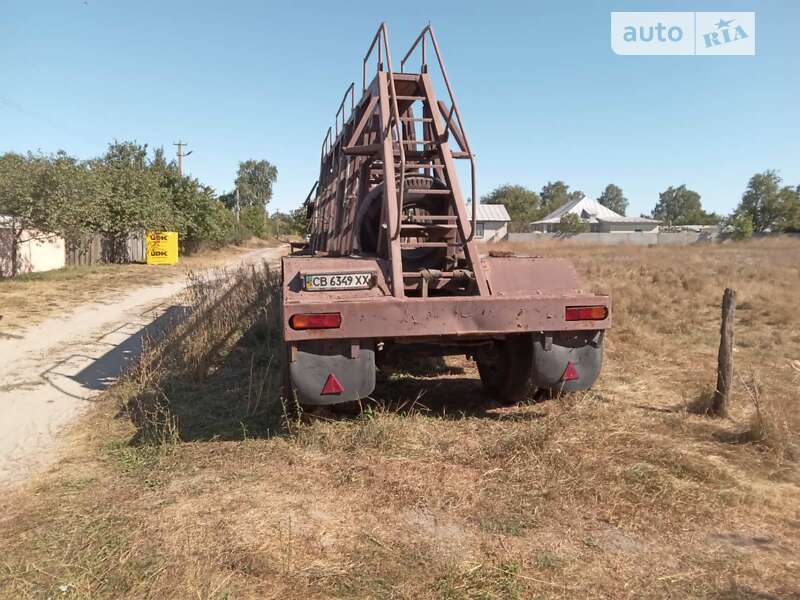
[(368, 223), (425, 258), (505, 368)]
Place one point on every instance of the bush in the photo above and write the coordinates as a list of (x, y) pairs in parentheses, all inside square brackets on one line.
[(741, 226), (254, 219), (225, 229), (571, 223)]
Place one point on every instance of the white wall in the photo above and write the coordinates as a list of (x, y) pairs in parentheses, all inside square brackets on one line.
[(626, 227), (493, 231), (36, 252), (639, 238)]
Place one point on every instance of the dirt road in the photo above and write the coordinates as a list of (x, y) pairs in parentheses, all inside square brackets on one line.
[(49, 373)]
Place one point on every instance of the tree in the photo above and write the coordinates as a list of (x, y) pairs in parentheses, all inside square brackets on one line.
[(571, 223), (44, 194), (130, 198), (523, 205), (17, 174), (770, 206), (791, 214), (555, 194), (613, 199), (193, 209), (741, 226), (254, 220), (126, 190), (291, 223), (223, 227), (298, 220), (254, 182), (681, 206), (192, 204)]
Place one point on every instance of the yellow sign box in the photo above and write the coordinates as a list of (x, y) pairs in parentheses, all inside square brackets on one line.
[(162, 247)]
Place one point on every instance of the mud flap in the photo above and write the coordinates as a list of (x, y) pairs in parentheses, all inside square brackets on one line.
[(568, 361), (332, 372)]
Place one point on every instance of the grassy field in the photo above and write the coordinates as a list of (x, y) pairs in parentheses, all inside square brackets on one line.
[(189, 480), (29, 299)]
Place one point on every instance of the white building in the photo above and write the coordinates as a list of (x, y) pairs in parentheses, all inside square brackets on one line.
[(492, 222), (599, 218), (36, 250)]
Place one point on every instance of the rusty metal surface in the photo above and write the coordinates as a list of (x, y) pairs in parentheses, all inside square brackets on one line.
[(389, 201), (389, 317), (530, 275), (379, 143)]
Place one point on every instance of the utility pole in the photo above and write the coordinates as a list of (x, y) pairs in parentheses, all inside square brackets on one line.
[(181, 155), (238, 208)]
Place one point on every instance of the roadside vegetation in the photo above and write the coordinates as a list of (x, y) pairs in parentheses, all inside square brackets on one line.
[(131, 189), (192, 479)]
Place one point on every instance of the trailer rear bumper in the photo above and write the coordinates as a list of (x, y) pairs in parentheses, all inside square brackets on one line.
[(483, 316)]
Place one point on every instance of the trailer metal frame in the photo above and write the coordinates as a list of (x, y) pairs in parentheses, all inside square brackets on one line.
[(388, 202)]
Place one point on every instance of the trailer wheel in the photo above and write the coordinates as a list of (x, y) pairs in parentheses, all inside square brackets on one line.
[(505, 368)]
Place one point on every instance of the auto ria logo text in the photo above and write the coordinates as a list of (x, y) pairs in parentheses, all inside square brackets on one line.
[(687, 33)]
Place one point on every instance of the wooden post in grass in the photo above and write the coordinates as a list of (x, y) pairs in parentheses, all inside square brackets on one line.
[(719, 405)]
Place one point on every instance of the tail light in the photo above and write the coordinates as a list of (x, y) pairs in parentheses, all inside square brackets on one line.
[(316, 321), (585, 313)]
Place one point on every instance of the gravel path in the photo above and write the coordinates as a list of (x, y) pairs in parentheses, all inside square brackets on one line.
[(50, 372)]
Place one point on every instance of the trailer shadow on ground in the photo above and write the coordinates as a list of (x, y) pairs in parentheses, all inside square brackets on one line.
[(240, 397), (445, 397)]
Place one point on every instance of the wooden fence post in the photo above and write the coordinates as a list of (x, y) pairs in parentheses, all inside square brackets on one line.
[(719, 405)]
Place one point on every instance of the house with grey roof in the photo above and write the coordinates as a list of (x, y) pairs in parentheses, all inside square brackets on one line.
[(492, 222), (599, 218)]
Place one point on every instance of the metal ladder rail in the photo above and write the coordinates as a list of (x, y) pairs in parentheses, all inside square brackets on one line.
[(382, 37), (421, 38)]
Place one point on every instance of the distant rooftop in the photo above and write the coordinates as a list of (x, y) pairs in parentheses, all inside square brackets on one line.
[(489, 212), (590, 211)]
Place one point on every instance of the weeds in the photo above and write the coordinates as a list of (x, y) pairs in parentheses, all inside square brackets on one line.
[(217, 374), (774, 423)]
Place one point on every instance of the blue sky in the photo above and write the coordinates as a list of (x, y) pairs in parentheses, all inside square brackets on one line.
[(542, 94)]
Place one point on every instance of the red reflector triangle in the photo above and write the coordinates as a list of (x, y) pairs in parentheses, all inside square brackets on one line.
[(332, 386), (570, 373)]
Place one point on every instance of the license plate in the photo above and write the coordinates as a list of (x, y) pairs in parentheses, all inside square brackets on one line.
[(337, 281)]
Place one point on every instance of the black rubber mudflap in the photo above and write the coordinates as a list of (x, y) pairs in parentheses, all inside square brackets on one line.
[(567, 361), (325, 372)]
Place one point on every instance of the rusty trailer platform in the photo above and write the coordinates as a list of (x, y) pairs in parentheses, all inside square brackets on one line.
[(392, 256)]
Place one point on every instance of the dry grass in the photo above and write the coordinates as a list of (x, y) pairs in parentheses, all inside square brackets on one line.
[(197, 489), (30, 299)]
